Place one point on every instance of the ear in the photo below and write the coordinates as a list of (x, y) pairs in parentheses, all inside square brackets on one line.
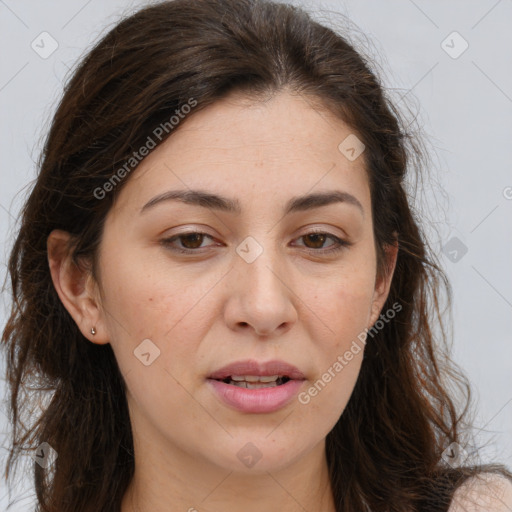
[(76, 287), (383, 281)]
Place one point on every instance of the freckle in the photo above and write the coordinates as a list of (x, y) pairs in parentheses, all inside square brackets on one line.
[(150, 299)]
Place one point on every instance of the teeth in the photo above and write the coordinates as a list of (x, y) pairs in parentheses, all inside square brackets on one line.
[(271, 378), (261, 385), (254, 378), (257, 385)]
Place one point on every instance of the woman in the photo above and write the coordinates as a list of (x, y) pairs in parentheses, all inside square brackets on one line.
[(220, 278)]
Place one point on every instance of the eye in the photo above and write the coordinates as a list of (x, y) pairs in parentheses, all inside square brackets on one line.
[(317, 238), (191, 242)]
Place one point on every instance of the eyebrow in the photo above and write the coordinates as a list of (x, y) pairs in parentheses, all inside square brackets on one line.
[(218, 202)]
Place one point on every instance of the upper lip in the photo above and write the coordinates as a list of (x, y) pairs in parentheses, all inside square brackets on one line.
[(262, 369)]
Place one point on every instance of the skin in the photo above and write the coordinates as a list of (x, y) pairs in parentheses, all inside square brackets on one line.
[(207, 310), (483, 493)]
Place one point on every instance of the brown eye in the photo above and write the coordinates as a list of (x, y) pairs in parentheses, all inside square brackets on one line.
[(192, 240), (187, 242), (317, 239)]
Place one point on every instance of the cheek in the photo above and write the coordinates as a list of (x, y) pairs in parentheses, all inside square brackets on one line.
[(148, 301), (325, 399), (149, 295), (142, 306), (344, 303)]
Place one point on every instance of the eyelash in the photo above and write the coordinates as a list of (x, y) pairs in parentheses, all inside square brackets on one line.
[(338, 246)]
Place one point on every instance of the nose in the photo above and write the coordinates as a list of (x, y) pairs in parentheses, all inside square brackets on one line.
[(261, 296)]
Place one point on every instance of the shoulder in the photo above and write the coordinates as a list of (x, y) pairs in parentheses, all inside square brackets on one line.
[(484, 493)]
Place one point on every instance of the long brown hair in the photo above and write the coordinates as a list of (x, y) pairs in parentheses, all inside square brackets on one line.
[(385, 452)]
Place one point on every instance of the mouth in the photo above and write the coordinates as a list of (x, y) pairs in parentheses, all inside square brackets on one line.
[(253, 373), (255, 381), (253, 387)]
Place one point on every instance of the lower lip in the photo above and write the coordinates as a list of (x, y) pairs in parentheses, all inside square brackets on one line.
[(256, 400)]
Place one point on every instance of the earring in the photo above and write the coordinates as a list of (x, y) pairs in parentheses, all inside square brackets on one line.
[(93, 331)]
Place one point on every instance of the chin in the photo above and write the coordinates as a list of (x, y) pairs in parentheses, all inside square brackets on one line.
[(260, 454)]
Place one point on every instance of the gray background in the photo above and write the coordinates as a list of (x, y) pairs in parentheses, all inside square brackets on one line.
[(464, 105)]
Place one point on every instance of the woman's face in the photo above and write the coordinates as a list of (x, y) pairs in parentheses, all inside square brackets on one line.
[(256, 284)]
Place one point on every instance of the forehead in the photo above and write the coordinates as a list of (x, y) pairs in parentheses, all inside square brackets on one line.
[(273, 149)]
